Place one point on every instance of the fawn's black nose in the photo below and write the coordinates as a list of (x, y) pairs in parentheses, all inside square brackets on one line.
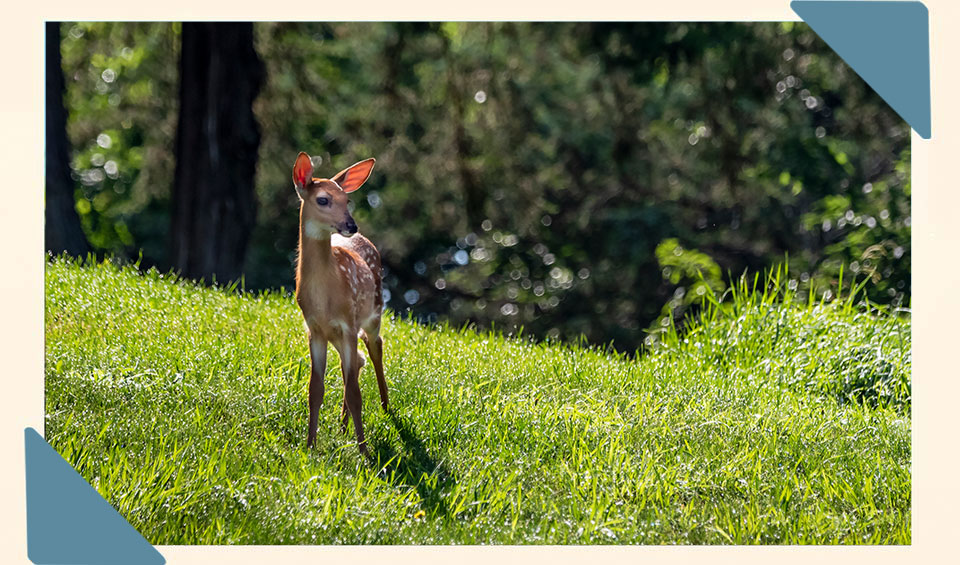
[(348, 228)]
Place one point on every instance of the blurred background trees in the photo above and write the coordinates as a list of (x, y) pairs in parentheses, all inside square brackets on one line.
[(570, 178)]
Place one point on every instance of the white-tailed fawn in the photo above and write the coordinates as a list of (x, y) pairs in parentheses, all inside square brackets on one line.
[(338, 287)]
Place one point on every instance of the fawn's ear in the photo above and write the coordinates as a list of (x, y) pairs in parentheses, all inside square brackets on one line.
[(355, 175), (302, 171)]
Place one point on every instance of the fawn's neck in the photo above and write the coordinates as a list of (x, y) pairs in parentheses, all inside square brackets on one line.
[(316, 258)]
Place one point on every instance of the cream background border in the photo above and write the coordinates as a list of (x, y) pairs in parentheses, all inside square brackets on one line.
[(936, 237)]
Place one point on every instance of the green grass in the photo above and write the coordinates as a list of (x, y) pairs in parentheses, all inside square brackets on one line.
[(186, 408)]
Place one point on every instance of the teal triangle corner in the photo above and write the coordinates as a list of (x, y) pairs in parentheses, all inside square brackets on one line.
[(886, 43), (67, 519)]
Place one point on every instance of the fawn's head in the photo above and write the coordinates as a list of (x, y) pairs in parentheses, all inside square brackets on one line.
[(324, 207)]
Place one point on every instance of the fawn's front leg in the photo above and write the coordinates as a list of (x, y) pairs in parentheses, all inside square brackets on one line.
[(350, 366), (374, 345), (318, 366)]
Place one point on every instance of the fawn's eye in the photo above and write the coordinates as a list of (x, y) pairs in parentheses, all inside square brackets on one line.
[(323, 201)]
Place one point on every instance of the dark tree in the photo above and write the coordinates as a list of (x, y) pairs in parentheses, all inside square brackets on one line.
[(214, 204), (62, 228)]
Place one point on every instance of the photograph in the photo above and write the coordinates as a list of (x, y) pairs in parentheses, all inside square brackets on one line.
[(477, 283)]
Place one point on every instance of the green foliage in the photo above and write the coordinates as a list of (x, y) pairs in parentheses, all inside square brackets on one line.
[(869, 232), (186, 409), (527, 172), (694, 273)]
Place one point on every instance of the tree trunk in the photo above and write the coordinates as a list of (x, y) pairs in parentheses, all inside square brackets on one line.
[(214, 205), (62, 229)]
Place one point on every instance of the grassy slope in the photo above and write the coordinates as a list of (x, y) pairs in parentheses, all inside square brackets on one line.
[(186, 408)]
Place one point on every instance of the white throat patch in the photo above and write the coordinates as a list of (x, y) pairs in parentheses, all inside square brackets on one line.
[(315, 230)]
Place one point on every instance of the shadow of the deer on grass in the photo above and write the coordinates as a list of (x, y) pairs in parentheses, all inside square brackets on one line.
[(413, 466)]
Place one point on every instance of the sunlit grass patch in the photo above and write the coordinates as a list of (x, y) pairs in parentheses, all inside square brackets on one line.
[(766, 421)]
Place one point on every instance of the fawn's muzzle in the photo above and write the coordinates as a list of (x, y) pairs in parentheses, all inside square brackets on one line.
[(348, 228)]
